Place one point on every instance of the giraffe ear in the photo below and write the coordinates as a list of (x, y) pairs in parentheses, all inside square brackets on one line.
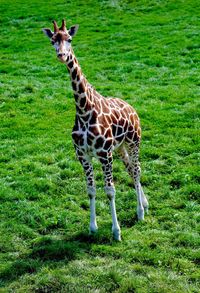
[(73, 30), (47, 32)]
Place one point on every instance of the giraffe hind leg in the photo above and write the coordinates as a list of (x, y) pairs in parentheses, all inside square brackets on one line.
[(129, 155), (142, 203), (144, 200)]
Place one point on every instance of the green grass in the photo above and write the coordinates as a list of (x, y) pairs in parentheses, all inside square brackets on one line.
[(146, 52)]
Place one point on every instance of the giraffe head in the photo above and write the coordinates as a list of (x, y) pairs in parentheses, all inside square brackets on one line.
[(61, 39)]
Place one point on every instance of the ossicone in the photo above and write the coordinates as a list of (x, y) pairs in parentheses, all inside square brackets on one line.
[(63, 26), (56, 29)]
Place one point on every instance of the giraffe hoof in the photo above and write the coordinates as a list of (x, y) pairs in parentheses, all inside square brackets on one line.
[(93, 230), (117, 235)]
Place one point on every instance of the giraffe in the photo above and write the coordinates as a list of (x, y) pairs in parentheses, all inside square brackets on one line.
[(101, 126)]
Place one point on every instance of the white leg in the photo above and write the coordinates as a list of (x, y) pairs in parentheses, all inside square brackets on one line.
[(115, 226), (144, 200), (93, 224), (110, 191), (140, 208)]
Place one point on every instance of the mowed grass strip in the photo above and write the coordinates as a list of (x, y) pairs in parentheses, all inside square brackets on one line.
[(147, 54)]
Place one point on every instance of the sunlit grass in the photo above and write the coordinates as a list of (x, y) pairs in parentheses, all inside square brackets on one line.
[(147, 54)]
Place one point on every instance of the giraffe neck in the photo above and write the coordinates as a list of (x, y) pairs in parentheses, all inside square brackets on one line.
[(81, 88)]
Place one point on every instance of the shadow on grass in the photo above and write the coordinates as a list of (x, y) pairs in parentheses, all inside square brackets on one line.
[(48, 250)]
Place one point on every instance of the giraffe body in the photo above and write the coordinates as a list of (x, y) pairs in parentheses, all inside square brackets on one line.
[(107, 130), (101, 126)]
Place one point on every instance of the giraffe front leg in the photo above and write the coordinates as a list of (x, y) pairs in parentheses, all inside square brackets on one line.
[(110, 191), (91, 189), (93, 223)]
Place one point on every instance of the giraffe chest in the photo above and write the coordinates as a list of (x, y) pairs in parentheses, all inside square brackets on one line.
[(83, 140), (90, 139)]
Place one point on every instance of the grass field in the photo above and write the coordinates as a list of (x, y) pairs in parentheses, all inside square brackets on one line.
[(147, 53)]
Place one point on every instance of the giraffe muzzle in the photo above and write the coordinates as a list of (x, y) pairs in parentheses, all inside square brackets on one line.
[(62, 56)]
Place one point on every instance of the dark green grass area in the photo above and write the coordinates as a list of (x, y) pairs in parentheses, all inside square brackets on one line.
[(147, 53)]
